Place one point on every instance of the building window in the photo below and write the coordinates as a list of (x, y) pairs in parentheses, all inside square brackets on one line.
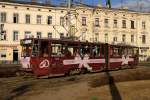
[(106, 38), (15, 36), (123, 23), (50, 35), (39, 34), (132, 38), (115, 23), (96, 37), (27, 19), (3, 35), (61, 35), (132, 25), (97, 22), (143, 25), (106, 23), (2, 17), (123, 38), (143, 39), (83, 21), (62, 21), (82, 35), (49, 20), (3, 6), (3, 54), (38, 19), (27, 34), (115, 39), (16, 18)]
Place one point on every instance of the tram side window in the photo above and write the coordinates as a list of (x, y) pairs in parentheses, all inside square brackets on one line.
[(35, 51), (136, 51), (57, 49), (96, 51), (130, 51), (44, 48), (125, 51), (115, 52), (84, 50), (121, 51), (69, 51)]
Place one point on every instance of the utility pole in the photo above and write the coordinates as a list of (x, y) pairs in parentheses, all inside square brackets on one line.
[(69, 17), (69, 4), (141, 5), (64, 2), (99, 3), (121, 4), (47, 1), (81, 1)]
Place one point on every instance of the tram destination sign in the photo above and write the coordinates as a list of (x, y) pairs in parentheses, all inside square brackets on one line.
[(26, 42)]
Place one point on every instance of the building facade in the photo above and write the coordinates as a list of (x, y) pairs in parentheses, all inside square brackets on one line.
[(22, 20)]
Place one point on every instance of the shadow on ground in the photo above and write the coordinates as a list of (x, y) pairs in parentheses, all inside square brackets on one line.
[(113, 88), (18, 91)]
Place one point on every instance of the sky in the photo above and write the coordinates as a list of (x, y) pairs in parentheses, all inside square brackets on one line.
[(137, 5)]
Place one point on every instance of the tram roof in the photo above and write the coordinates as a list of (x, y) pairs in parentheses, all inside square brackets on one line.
[(63, 40), (123, 44)]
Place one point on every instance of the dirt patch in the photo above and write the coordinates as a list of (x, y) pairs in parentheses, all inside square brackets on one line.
[(81, 91), (121, 76), (92, 86), (9, 71)]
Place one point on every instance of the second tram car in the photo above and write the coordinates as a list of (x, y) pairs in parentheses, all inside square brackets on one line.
[(55, 57)]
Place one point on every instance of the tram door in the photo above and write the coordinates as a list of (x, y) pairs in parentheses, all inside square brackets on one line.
[(57, 56), (43, 60)]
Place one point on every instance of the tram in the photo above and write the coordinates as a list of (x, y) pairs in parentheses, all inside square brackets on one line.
[(55, 57)]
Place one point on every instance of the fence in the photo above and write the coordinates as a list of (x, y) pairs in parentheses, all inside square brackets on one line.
[(9, 62)]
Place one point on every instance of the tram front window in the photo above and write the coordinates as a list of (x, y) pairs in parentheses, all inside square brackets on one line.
[(26, 51), (26, 47)]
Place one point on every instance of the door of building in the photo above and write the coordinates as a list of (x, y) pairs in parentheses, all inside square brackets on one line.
[(15, 55)]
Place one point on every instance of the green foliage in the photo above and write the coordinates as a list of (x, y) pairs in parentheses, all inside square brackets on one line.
[(94, 98), (72, 37), (72, 78)]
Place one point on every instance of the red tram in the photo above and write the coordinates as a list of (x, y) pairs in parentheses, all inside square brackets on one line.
[(54, 57)]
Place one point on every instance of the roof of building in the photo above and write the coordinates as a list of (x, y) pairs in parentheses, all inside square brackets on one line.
[(29, 3), (65, 6)]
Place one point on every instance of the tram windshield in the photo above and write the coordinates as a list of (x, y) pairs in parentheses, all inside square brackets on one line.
[(26, 48)]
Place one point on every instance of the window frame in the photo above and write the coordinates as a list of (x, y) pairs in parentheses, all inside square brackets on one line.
[(15, 18), (28, 19)]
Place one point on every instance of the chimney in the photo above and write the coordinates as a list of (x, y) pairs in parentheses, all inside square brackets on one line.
[(34, 1), (125, 8)]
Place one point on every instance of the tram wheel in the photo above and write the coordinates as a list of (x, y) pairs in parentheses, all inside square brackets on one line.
[(83, 71), (74, 71)]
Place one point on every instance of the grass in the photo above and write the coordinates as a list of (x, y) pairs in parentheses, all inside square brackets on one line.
[(94, 98), (147, 64), (71, 78), (122, 76)]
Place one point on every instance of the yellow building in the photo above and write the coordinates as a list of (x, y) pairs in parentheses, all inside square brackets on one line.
[(22, 20)]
